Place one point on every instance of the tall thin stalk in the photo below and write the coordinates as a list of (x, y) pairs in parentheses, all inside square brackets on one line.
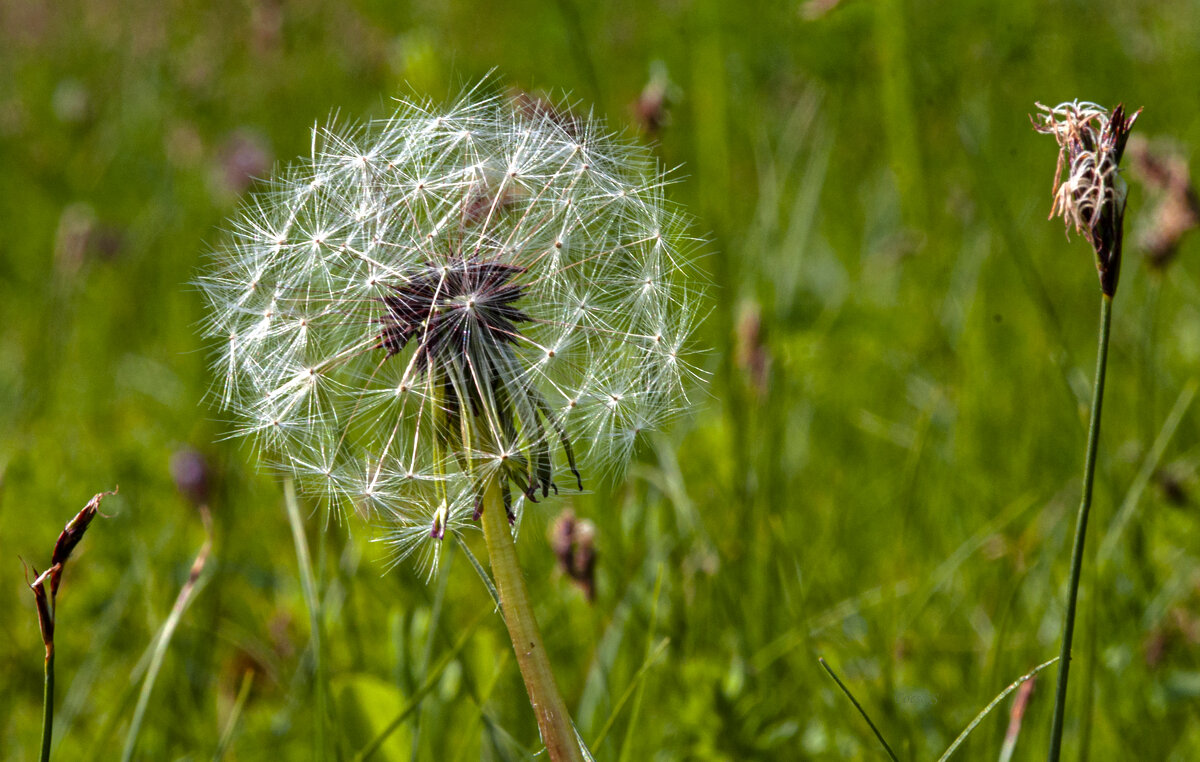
[(48, 704), (1085, 505), (45, 607), (1090, 196), (553, 720), (45, 595)]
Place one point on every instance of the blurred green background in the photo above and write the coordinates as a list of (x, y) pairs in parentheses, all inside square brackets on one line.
[(883, 471)]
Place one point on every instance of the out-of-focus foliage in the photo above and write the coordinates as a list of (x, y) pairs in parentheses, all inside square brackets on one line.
[(883, 470)]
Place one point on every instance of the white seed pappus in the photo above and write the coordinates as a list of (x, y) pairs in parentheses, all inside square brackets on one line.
[(447, 295)]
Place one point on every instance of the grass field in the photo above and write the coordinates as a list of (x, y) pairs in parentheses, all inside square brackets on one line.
[(883, 470)]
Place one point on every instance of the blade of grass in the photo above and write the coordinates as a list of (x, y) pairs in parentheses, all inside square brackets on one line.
[(1149, 465), (431, 680), (1000, 216), (899, 112), (100, 748), (468, 730), (435, 617), (1015, 718), (234, 716), (861, 711), (992, 705), (596, 688), (182, 601), (78, 693), (947, 570), (483, 575), (308, 583), (651, 658), (577, 32), (796, 637), (627, 744)]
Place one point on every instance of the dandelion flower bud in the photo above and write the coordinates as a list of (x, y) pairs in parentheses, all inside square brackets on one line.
[(449, 296), (1091, 197)]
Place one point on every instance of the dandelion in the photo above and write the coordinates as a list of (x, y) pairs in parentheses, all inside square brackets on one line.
[(1090, 198), (451, 309), (446, 296)]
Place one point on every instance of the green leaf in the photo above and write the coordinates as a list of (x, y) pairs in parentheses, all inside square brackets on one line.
[(366, 705)]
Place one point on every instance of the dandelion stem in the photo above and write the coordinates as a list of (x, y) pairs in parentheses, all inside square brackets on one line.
[(553, 720), (1085, 504), (48, 705)]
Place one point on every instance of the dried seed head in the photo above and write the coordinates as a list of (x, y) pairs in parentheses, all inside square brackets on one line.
[(68, 539), (450, 295), (574, 544), (71, 534), (751, 353), (1091, 195), (652, 109), (1163, 171), (192, 475)]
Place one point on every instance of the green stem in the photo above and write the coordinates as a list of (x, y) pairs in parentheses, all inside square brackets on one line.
[(48, 705), (553, 720), (1085, 504)]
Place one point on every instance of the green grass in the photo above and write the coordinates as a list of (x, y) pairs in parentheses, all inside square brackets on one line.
[(898, 498)]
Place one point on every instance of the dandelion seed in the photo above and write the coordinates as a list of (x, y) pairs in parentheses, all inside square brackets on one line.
[(452, 295)]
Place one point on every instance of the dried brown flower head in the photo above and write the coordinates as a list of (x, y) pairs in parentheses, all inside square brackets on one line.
[(70, 537), (574, 543), (192, 475), (652, 109), (1091, 195), (1163, 171)]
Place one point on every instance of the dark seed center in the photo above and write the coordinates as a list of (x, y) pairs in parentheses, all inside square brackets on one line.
[(443, 308), (463, 318)]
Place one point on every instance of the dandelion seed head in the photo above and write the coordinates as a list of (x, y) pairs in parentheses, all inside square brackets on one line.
[(449, 295)]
